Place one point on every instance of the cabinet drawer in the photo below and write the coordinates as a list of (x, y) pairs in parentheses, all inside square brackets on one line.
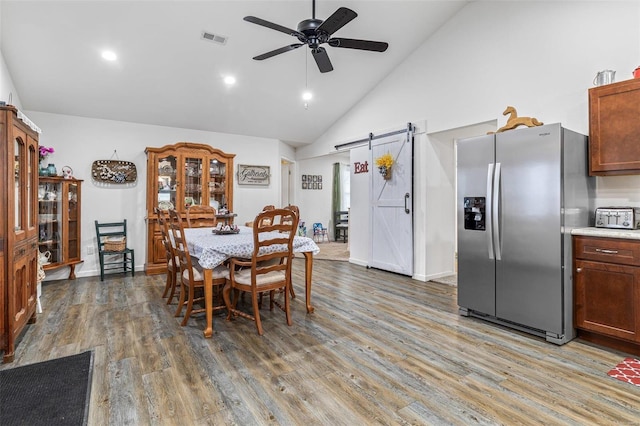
[(610, 250), (24, 248)]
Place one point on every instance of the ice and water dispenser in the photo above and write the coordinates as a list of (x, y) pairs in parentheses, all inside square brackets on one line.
[(474, 213)]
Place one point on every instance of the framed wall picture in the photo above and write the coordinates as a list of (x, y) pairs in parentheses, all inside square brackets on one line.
[(304, 178), (304, 185), (319, 185), (315, 178), (319, 178), (253, 175)]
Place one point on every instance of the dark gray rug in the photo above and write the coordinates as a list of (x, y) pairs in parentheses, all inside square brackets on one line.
[(54, 392)]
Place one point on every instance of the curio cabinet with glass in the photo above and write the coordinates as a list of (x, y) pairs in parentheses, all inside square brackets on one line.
[(59, 202), (18, 226)]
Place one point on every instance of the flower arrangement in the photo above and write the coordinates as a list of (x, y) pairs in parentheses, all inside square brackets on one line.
[(44, 151), (384, 163)]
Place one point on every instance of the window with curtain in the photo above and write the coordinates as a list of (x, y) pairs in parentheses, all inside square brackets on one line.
[(345, 187)]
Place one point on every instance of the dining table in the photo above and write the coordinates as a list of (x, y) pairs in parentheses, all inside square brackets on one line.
[(212, 248)]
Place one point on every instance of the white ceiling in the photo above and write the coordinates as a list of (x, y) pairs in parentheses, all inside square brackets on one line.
[(167, 75)]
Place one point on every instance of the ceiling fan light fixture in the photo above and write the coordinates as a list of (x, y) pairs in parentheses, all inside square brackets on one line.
[(229, 80), (307, 95), (109, 55)]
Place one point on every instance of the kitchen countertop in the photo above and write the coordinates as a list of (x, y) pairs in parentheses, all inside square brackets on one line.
[(628, 234)]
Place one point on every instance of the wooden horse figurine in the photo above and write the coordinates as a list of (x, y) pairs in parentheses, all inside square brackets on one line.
[(514, 121)]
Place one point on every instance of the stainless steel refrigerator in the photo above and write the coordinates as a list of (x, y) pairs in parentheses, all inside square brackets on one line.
[(519, 195)]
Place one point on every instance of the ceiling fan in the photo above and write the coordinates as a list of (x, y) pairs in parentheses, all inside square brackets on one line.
[(314, 32)]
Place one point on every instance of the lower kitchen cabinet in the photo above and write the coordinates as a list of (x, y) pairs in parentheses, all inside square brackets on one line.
[(607, 291)]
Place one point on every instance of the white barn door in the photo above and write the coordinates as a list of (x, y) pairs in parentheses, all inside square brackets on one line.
[(392, 205)]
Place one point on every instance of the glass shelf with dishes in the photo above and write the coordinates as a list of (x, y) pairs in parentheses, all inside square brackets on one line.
[(49, 221), (193, 182), (167, 182)]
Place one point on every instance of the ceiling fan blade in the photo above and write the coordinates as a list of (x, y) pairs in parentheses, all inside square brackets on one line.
[(273, 26), (350, 43), (322, 59), (339, 19), (277, 51)]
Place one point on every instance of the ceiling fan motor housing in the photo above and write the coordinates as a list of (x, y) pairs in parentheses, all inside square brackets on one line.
[(313, 38)]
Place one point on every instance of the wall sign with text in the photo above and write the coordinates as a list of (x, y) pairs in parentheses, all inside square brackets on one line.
[(253, 175)]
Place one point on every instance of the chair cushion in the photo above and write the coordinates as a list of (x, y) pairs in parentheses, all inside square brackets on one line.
[(244, 277), (220, 271)]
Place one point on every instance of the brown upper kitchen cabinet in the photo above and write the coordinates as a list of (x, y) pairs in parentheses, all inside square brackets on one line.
[(179, 176), (614, 129)]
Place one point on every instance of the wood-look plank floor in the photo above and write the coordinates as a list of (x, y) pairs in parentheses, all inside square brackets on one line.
[(380, 349)]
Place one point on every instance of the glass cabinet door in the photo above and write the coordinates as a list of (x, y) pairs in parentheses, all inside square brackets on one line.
[(19, 148), (31, 179), (49, 221), (167, 183), (192, 182), (217, 183), (73, 243)]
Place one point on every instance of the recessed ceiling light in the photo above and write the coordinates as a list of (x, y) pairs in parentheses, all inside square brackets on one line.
[(108, 55), (307, 96), (230, 80)]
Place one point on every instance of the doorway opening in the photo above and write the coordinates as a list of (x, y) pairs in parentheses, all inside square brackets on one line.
[(451, 137), (286, 185)]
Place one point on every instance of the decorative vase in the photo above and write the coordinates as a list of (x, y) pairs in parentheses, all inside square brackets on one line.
[(385, 172), (51, 168), (43, 171)]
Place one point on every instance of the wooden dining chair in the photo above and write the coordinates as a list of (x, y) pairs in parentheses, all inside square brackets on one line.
[(173, 263), (296, 210), (269, 269), (285, 219), (267, 208), (191, 274), (201, 216)]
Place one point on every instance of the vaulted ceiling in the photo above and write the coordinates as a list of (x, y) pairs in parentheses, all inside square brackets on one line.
[(167, 74)]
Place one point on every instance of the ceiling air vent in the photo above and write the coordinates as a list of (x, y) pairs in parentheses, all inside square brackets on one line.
[(215, 38)]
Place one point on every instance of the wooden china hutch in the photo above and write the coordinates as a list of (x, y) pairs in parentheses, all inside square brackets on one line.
[(18, 227), (179, 176)]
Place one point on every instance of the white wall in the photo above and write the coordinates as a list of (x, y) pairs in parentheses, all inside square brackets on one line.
[(80, 141), (6, 83), (360, 212), (540, 57), (315, 204), (7, 89)]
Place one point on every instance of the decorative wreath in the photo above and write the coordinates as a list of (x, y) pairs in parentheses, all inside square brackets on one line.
[(114, 171), (384, 163)]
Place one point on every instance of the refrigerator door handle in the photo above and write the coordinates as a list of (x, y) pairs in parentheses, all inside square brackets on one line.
[(495, 212), (488, 214)]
